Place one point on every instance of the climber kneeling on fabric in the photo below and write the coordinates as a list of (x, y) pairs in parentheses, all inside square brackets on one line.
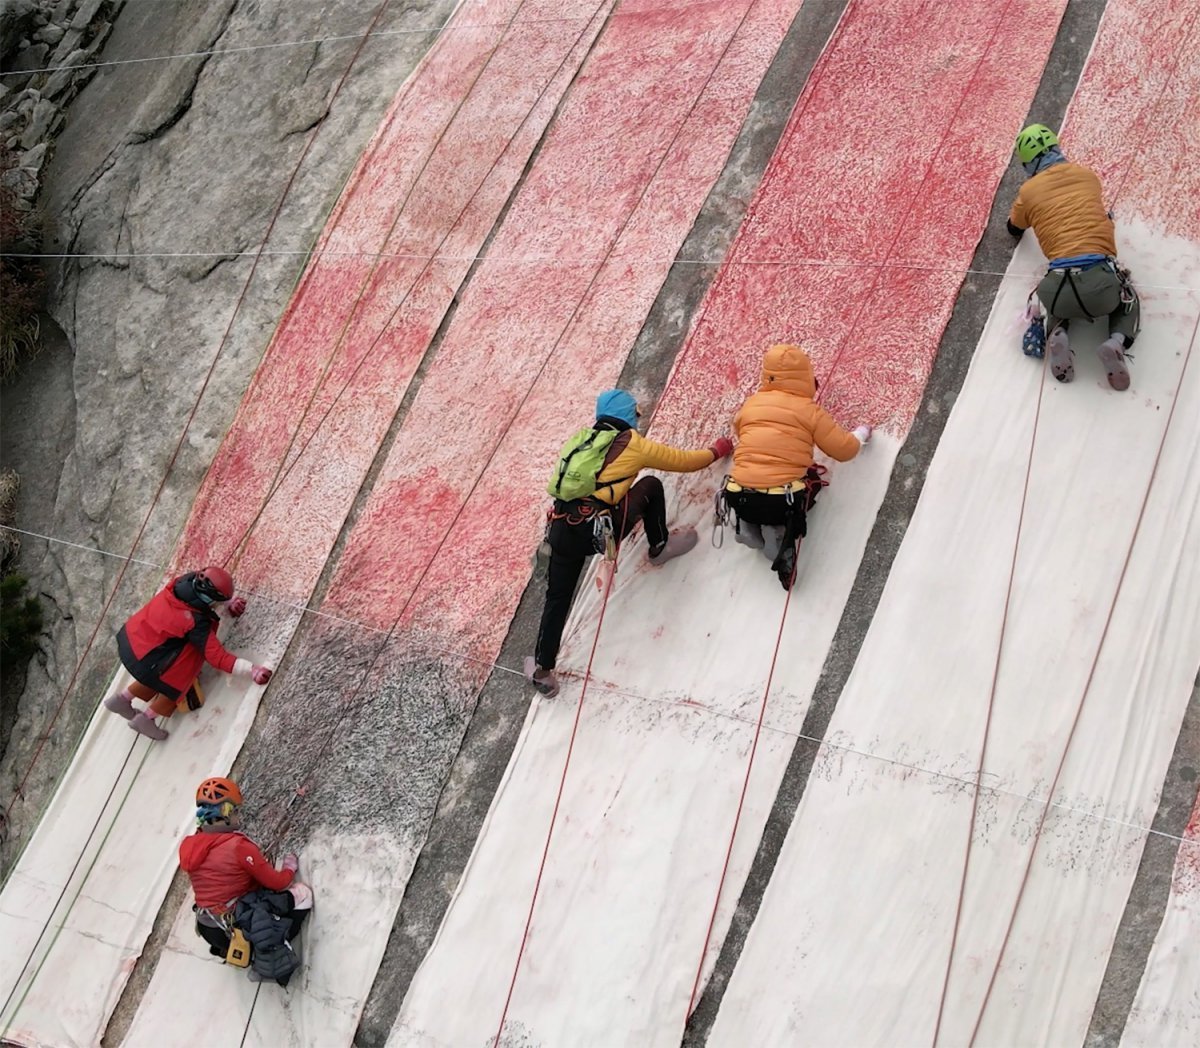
[(240, 897), (1064, 204), (774, 482), (164, 644)]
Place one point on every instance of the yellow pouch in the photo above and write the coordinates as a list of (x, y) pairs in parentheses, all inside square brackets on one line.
[(192, 699), (239, 950)]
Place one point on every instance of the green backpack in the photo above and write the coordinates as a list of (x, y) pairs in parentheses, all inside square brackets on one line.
[(579, 464)]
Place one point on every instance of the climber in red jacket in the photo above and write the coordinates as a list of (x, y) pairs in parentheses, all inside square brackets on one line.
[(164, 645), (224, 864)]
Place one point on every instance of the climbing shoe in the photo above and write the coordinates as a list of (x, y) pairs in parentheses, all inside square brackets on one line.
[(785, 566), (678, 543), (1112, 356), (121, 705), (144, 725), (546, 681), (1062, 357)]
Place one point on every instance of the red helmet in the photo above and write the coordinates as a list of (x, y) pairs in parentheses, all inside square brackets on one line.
[(215, 584), (218, 789)]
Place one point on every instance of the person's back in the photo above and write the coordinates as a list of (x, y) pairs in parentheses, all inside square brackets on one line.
[(224, 864), (777, 427), (774, 482), (1064, 204)]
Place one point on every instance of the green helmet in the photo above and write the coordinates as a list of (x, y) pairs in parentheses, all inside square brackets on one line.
[(1034, 141)]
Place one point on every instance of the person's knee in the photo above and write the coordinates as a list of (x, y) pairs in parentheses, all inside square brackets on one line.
[(650, 488)]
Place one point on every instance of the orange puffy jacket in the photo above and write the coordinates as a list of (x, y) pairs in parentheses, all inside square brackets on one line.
[(1065, 206), (778, 426)]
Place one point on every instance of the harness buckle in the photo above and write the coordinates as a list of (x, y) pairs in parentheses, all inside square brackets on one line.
[(603, 538)]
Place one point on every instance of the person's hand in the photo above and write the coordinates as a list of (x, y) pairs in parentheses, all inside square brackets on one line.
[(291, 861), (260, 674), (236, 606), (863, 433), (721, 448)]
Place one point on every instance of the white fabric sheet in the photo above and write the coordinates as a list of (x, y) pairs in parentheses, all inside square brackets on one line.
[(875, 855), (1166, 1011), (622, 915), (83, 897), (341, 946)]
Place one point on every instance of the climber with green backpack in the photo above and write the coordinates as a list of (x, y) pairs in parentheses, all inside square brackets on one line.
[(597, 504)]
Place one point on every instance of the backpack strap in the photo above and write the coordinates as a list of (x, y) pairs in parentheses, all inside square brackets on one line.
[(612, 484)]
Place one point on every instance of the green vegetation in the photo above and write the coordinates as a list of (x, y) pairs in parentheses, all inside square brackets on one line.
[(22, 283), (20, 622)]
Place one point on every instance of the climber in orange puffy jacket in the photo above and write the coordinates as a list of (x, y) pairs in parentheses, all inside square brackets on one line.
[(774, 482), (164, 644)]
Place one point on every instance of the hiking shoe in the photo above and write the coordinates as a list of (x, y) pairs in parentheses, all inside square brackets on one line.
[(678, 543), (1033, 343), (546, 681), (785, 567), (121, 705), (144, 725), (1112, 356), (1062, 357)]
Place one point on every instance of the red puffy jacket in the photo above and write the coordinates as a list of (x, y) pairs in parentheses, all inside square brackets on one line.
[(165, 643), (224, 866)]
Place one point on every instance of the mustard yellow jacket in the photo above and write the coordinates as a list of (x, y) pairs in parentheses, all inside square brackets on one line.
[(1065, 206), (631, 452), (777, 426)]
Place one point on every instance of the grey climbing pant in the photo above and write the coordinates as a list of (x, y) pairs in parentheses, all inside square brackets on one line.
[(1088, 294)]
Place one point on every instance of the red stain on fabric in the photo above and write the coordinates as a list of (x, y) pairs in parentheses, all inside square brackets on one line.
[(369, 303), (1185, 879)]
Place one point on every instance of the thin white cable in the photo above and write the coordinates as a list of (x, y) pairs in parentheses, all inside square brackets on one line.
[(428, 642), (337, 38), (1032, 275)]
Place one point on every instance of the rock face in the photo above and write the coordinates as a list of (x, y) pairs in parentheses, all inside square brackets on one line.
[(159, 187), (47, 51)]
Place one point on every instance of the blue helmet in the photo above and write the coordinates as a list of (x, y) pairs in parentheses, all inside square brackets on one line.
[(617, 403)]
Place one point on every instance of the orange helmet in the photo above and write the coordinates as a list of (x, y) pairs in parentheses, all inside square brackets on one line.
[(214, 584), (216, 790)]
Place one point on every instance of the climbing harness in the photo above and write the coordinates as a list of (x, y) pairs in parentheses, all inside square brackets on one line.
[(581, 511), (1071, 266), (723, 509)]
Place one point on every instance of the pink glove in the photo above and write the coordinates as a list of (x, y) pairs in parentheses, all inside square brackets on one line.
[(721, 448), (260, 674), (291, 861), (236, 606)]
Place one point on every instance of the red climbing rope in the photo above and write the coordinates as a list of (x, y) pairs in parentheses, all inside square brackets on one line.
[(845, 342), (996, 669), (1083, 698), (187, 423)]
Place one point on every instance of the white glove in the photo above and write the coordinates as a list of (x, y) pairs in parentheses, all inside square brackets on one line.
[(863, 433)]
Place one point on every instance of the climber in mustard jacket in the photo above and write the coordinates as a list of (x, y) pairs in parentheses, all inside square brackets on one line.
[(1064, 204), (774, 481), (597, 504)]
